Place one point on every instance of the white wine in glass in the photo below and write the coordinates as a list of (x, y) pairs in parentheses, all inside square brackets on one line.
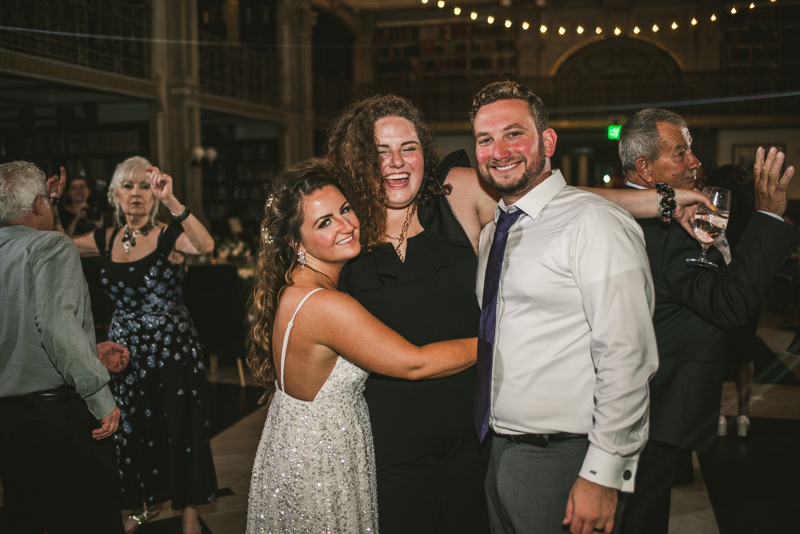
[(708, 225)]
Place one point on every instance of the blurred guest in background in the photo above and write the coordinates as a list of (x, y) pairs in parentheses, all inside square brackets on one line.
[(74, 211), (739, 342)]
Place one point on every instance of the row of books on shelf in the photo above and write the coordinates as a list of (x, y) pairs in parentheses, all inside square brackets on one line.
[(434, 66), (447, 48), (225, 193), (245, 213), (99, 142), (447, 31)]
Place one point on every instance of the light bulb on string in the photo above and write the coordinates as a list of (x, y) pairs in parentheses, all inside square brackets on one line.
[(525, 25), (733, 11), (457, 10), (713, 17), (508, 23), (473, 15), (441, 4), (490, 19), (694, 22), (636, 30), (579, 29), (598, 30), (543, 28), (655, 28), (424, 1), (562, 30), (674, 25), (752, 6), (617, 31)]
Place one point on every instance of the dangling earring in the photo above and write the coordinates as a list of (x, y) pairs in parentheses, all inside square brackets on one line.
[(301, 257), (119, 217)]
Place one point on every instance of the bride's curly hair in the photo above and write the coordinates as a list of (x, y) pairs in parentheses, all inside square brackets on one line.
[(352, 157), (280, 234)]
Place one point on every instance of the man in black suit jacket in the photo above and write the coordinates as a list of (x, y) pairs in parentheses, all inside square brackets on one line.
[(694, 305)]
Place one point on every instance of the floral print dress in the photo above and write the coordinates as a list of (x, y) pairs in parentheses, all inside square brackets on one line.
[(163, 444)]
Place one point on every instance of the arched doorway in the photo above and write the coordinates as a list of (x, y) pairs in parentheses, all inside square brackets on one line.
[(609, 78)]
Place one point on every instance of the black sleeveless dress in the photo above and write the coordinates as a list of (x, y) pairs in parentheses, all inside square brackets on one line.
[(163, 444), (430, 467)]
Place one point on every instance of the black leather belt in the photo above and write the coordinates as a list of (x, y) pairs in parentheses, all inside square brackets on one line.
[(539, 440), (60, 394)]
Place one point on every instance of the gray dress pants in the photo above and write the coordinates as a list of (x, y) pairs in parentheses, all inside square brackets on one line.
[(527, 487)]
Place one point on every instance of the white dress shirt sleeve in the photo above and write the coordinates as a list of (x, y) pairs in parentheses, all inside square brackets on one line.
[(611, 268)]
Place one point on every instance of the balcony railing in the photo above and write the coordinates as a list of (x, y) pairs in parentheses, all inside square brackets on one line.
[(710, 93), (236, 71), (101, 34)]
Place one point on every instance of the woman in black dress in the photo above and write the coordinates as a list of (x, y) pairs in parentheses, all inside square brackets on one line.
[(418, 277), (163, 442)]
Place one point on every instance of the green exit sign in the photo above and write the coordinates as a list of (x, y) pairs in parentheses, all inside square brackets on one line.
[(613, 131)]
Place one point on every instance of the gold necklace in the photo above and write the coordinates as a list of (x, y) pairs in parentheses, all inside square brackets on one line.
[(402, 236)]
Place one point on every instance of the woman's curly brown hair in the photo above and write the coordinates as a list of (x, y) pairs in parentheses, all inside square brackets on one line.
[(280, 232), (352, 157)]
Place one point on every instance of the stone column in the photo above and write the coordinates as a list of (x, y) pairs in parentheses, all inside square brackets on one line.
[(295, 21), (363, 54), (175, 114)]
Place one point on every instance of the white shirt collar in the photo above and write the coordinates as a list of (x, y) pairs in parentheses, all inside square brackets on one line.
[(537, 198), (633, 185)]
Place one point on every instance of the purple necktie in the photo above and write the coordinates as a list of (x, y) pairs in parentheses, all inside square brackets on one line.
[(491, 285)]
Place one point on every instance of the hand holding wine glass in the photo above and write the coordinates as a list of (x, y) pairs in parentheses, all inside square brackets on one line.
[(708, 225)]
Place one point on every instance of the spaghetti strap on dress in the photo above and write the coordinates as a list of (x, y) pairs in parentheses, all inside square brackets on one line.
[(315, 466)]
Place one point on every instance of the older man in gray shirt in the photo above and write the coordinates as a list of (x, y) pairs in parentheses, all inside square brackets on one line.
[(57, 465)]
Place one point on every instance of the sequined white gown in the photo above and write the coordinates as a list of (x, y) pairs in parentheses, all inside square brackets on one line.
[(315, 466)]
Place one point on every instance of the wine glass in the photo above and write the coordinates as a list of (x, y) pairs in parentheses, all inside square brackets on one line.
[(708, 225)]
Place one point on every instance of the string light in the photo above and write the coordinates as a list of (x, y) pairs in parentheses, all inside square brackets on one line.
[(579, 29), (424, 1)]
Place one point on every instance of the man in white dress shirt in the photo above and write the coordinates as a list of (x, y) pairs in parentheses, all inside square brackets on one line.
[(573, 344)]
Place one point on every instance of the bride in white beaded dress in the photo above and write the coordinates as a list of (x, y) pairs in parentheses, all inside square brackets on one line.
[(311, 347)]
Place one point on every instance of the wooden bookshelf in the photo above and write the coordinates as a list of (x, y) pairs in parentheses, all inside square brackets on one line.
[(763, 39), (445, 52), (235, 185)]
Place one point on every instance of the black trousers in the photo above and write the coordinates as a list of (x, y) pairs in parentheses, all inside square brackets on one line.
[(56, 477), (647, 508)]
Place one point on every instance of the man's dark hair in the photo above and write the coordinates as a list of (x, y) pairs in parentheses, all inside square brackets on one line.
[(510, 91)]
